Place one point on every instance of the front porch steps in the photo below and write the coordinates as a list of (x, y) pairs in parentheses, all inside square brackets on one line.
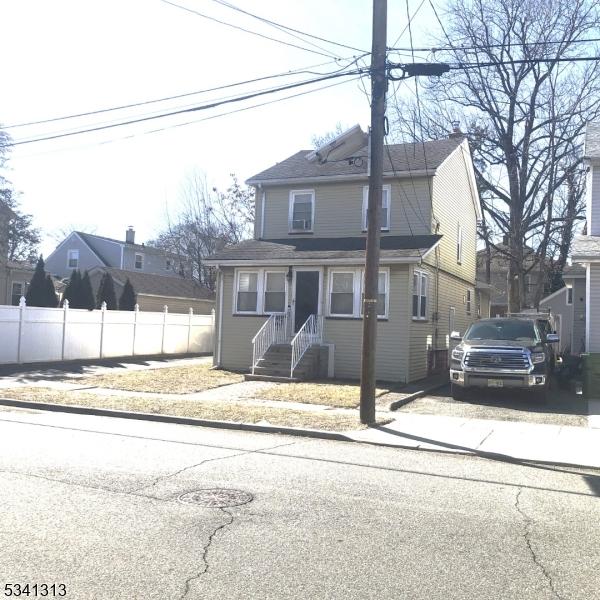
[(275, 365)]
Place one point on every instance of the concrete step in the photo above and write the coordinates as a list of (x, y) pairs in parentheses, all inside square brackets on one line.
[(250, 377)]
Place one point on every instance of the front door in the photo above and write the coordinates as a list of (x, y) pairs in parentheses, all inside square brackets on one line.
[(306, 295)]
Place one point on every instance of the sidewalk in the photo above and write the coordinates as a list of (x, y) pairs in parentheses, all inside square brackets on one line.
[(493, 439)]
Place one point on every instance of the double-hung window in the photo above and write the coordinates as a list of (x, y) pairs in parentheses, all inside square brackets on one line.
[(139, 261), (419, 295), (17, 290), (385, 207), (459, 244), (569, 295), (260, 292), (346, 290), (302, 211), (73, 259)]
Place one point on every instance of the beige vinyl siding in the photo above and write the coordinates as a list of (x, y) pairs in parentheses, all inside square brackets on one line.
[(338, 209), (593, 331), (453, 206), (579, 309), (392, 335), (237, 330), (432, 331)]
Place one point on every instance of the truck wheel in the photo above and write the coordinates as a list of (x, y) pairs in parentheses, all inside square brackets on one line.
[(457, 392)]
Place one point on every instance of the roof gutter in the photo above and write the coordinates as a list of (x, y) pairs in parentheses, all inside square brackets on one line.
[(334, 178), (404, 260)]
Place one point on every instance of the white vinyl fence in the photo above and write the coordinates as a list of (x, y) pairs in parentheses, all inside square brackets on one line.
[(32, 334)]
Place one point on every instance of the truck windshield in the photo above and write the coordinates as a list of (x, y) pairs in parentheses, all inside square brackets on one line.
[(517, 331)]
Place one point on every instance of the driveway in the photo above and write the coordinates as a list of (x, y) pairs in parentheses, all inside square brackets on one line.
[(562, 407)]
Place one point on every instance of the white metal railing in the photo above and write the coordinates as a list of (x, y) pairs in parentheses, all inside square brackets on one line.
[(310, 333), (276, 330)]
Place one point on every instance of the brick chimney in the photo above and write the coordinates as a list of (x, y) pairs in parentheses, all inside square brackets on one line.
[(130, 235)]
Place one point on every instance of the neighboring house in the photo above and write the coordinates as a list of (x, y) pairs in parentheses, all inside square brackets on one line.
[(14, 276), (84, 251), (569, 304), (499, 278), (308, 253), (156, 291), (586, 248)]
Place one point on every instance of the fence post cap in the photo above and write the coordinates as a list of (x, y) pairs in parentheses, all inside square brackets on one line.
[(191, 311), (103, 306), (136, 307), (22, 302), (165, 308), (66, 303)]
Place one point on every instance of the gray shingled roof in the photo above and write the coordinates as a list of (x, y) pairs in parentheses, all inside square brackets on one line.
[(90, 239), (161, 285), (592, 140), (586, 246), (405, 157), (324, 249), (574, 271)]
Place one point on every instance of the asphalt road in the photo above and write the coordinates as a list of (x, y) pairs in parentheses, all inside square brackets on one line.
[(93, 503), (562, 407)]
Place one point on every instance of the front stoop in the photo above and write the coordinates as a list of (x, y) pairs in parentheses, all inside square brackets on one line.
[(275, 365)]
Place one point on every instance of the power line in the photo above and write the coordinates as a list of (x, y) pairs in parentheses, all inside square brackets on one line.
[(267, 37), (193, 109), (184, 95), (406, 27), (280, 26), (161, 129)]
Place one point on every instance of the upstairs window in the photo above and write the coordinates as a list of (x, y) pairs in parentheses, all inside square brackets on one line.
[(139, 261), (18, 289), (459, 245), (73, 259), (302, 211), (419, 297), (385, 207), (569, 295)]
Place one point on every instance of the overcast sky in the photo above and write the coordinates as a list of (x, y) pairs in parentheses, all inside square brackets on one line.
[(71, 56)]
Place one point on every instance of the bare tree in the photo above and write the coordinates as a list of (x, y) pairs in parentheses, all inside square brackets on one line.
[(524, 110), (206, 221), (319, 140)]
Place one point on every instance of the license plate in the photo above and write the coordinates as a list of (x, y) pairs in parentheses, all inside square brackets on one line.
[(495, 383)]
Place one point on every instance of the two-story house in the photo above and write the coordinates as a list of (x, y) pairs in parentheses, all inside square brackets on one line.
[(297, 285), (153, 273), (586, 248), (14, 276)]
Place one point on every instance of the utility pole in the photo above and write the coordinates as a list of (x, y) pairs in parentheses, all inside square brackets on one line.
[(371, 289)]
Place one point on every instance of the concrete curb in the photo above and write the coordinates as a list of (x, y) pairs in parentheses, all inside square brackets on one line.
[(418, 394), (310, 433), (121, 414)]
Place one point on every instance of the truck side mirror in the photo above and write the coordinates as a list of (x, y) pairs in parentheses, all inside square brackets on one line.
[(455, 335), (552, 338)]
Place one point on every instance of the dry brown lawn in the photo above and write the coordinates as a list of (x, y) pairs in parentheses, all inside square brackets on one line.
[(169, 380), (340, 395), (210, 410)]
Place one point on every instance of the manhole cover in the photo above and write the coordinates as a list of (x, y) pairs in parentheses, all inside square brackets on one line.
[(216, 498)]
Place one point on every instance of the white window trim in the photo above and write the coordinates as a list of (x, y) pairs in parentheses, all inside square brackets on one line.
[(261, 281), (569, 288), (23, 285), (357, 293), (420, 274), (469, 301), (386, 188), (75, 252), (285, 291), (459, 244), (135, 261), (293, 194)]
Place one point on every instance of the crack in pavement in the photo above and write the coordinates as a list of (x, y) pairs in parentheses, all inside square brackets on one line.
[(205, 550), (161, 478), (527, 537)]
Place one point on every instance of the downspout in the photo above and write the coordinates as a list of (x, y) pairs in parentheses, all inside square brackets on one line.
[(220, 326)]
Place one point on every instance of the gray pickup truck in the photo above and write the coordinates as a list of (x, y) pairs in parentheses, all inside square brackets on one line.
[(502, 353)]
